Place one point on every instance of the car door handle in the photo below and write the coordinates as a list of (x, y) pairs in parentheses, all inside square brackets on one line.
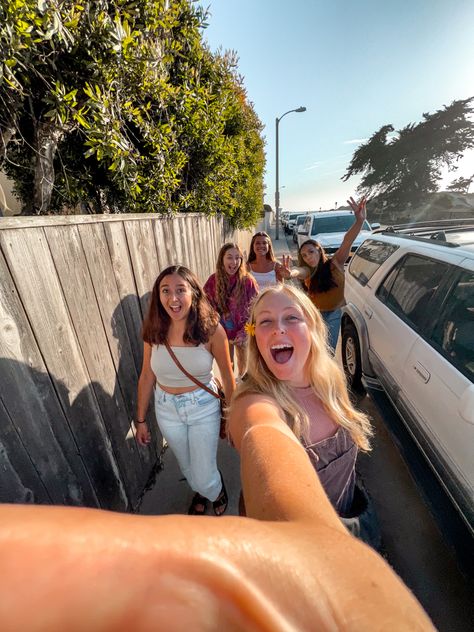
[(422, 372), (368, 312)]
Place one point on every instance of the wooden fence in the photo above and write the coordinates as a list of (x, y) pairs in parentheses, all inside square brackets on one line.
[(73, 291)]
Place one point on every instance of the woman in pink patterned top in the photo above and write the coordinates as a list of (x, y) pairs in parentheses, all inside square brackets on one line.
[(230, 290)]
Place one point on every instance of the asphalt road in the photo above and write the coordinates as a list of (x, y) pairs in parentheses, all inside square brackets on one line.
[(423, 539)]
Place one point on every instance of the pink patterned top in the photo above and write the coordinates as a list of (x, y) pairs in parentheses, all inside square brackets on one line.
[(238, 307)]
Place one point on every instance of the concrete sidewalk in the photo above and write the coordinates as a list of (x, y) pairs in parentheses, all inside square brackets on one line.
[(280, 246)]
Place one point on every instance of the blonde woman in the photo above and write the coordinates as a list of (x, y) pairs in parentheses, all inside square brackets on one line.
[(293, 376)]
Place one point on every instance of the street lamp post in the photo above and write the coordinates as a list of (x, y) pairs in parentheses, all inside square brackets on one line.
[(277, 188)]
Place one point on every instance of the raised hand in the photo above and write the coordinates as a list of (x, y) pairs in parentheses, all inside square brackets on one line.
[(359, 208), (285, 269)]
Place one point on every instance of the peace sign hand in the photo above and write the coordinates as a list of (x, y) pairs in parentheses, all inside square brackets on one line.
[(285, 266)]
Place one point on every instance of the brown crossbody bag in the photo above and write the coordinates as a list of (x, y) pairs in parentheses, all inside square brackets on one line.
[(220, 391)]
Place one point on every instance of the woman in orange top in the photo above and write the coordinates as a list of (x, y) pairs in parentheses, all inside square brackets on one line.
[(323, 277)]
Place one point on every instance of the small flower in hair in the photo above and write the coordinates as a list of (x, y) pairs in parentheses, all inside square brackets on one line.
[(250, 329)]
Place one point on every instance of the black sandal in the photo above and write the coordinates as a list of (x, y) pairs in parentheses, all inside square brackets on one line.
[(197, 500), (221, 501)]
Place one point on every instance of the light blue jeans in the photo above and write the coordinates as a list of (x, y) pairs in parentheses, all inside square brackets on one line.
[(333, 322), (190, 424)]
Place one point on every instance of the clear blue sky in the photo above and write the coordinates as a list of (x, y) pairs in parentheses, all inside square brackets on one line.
[(356, 65)]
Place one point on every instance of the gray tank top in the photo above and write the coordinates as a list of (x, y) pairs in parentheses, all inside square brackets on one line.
[(332, 451), (196, 360)]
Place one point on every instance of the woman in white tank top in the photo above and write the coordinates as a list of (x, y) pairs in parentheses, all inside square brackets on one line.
[(188, 416), (262, 263)]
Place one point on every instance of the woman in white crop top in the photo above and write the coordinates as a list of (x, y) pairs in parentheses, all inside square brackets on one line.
[(262, 263), (187, 415)]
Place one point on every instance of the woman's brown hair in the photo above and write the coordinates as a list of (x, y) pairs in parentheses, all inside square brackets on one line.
[(202, 318), (222, 279), (321, 279), (270, 254)]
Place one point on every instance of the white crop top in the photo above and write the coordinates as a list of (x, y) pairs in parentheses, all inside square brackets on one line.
[(264, 279), (196, 360)]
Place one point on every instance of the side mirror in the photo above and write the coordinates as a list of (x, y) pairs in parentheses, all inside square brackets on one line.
[(375, 225)]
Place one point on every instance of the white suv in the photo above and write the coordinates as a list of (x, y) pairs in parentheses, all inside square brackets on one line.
[(329, 227), (408, 328)]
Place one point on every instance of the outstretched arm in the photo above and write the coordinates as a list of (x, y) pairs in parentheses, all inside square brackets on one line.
[(285, 270), (292, 568), (360, 212)]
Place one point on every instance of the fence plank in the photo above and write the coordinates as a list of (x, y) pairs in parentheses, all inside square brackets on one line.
[(132, 314), (176, 240), (32, 404), (165, 258), (190, 240), (123, 273), (142, 248), (82, 300), (125, 389), (183, 238), (35, 276), (19, 481)]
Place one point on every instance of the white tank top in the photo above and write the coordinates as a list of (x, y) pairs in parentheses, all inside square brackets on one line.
[(264, 279), (196, 360)]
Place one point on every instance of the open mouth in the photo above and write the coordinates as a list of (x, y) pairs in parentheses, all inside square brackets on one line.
[(281, 353), (175, 309)]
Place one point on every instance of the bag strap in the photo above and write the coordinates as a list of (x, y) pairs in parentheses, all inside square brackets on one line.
[(188, 375)]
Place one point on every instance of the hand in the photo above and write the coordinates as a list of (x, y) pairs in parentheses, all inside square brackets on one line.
[(359, 208), (285, 267), (142, 434)]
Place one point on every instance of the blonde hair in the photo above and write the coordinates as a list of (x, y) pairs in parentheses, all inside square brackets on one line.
[(325, 376)]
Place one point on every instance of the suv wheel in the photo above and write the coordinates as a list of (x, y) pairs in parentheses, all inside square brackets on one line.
[(351, 356)]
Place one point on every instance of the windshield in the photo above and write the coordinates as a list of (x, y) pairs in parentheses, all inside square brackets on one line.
[(339, 224)]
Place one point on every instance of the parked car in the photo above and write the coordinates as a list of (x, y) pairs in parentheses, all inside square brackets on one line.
[(296, 224), (329, 228), (291, 217), (408, 328), (283, 216)]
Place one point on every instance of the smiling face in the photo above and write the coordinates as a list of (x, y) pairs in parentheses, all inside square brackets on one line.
[(283, 338), (232, 261), (261, 246), (176, 296), (310, 255)]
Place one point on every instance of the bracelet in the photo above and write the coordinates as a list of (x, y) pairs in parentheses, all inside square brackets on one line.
[(136, 421)]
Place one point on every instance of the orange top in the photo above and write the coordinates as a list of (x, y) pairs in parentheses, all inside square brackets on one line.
[(333, 298)]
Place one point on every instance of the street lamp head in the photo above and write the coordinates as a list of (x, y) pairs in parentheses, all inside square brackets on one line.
[(301, 109)]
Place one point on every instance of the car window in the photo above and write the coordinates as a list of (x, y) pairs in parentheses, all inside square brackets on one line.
[(306, 224), (368, 259), (453, 334), (410, 286), (338, 224)]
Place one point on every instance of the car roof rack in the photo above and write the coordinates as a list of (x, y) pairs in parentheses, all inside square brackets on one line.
[(431, 226), (435, 230)]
